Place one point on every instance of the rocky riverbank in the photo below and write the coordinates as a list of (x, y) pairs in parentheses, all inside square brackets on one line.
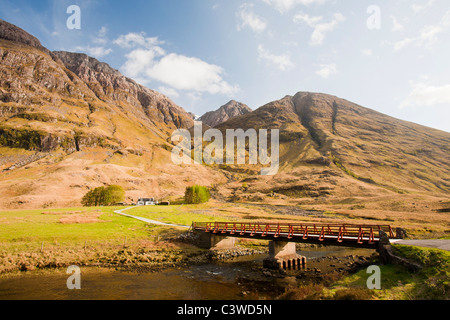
[(148, 257)]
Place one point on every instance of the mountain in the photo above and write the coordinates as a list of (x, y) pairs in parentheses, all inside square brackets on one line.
[(69, 123), (333, 147), (228, 111)]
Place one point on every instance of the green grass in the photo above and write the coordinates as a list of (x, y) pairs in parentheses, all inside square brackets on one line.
[(38, 240), (20, 228), (397, 283), (26, 229)]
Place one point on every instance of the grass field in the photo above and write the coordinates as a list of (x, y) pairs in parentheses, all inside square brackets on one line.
[(74, 225), (22, 229), (26, 229), (52, 238)]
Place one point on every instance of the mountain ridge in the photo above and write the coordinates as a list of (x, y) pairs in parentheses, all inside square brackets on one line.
[(365, 145)]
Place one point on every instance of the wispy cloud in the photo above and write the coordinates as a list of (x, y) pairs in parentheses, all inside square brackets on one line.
[(320, 28), (396, 25), (426, 95), (286, 5), (98, 48), (132, 40), (420, 7), (96, 52), (327, 70), (427, 36), (247, 18), (282, 62), (367, 52)]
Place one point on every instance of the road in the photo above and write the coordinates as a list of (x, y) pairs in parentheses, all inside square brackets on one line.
[(159, 223), (435, 244)]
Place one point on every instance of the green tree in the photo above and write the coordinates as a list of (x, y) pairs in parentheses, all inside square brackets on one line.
[(114, 194), (103, 196), (197, 194)]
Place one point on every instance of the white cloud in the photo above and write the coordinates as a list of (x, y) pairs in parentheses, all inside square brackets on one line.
[(132, 40), (282, 62), (427, 37), (149, 62), (96, 52), (367, 52), (418, 8), (102, 32), (426, 95), (140, 60), (320, 28), (191, 74), (97, 49), (286, 5), (249, 19), (327, 70), (100, 38), (397, 26), (170, 92)]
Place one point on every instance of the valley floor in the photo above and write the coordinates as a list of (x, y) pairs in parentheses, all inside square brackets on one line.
[(35, 240)]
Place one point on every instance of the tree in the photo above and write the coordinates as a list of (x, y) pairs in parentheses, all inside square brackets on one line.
[(103, 196), (197, 194), (115, 194)]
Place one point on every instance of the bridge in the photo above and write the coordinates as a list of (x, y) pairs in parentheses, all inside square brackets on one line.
[(283, 236)]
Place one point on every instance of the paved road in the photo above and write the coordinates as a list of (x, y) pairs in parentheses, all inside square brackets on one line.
[(159, 223), (435, 244)]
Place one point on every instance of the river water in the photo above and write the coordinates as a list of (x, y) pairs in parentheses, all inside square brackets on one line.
[(239, 279)]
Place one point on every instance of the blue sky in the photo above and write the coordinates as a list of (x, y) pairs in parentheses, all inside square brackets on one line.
[(390, 56)]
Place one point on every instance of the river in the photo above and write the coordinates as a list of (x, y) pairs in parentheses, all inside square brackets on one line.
[(238, 279)]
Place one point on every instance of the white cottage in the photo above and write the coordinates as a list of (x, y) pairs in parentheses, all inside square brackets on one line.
[(146, 202)]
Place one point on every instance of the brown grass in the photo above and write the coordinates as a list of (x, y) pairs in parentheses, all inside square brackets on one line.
[(90, 217)]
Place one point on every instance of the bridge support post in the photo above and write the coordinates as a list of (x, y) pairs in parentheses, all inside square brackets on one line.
[(207, 240), (283, 255)]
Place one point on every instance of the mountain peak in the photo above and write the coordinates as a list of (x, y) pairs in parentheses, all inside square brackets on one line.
[(11, 32), (226, 112), (74, 61)]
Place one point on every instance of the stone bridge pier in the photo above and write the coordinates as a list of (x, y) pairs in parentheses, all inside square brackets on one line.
[(212, 241), (282, 255)]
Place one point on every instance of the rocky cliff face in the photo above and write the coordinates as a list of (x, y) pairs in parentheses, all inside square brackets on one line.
[(64, 98), (110, 86), (229, 111), (69, 122)]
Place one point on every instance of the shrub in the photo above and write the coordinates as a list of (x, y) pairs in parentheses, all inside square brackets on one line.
[(197, 194)]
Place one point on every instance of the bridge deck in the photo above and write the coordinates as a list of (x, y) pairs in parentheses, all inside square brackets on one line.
[(340, 234)]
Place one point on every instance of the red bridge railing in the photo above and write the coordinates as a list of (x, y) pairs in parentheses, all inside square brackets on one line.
[(360, 234)]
